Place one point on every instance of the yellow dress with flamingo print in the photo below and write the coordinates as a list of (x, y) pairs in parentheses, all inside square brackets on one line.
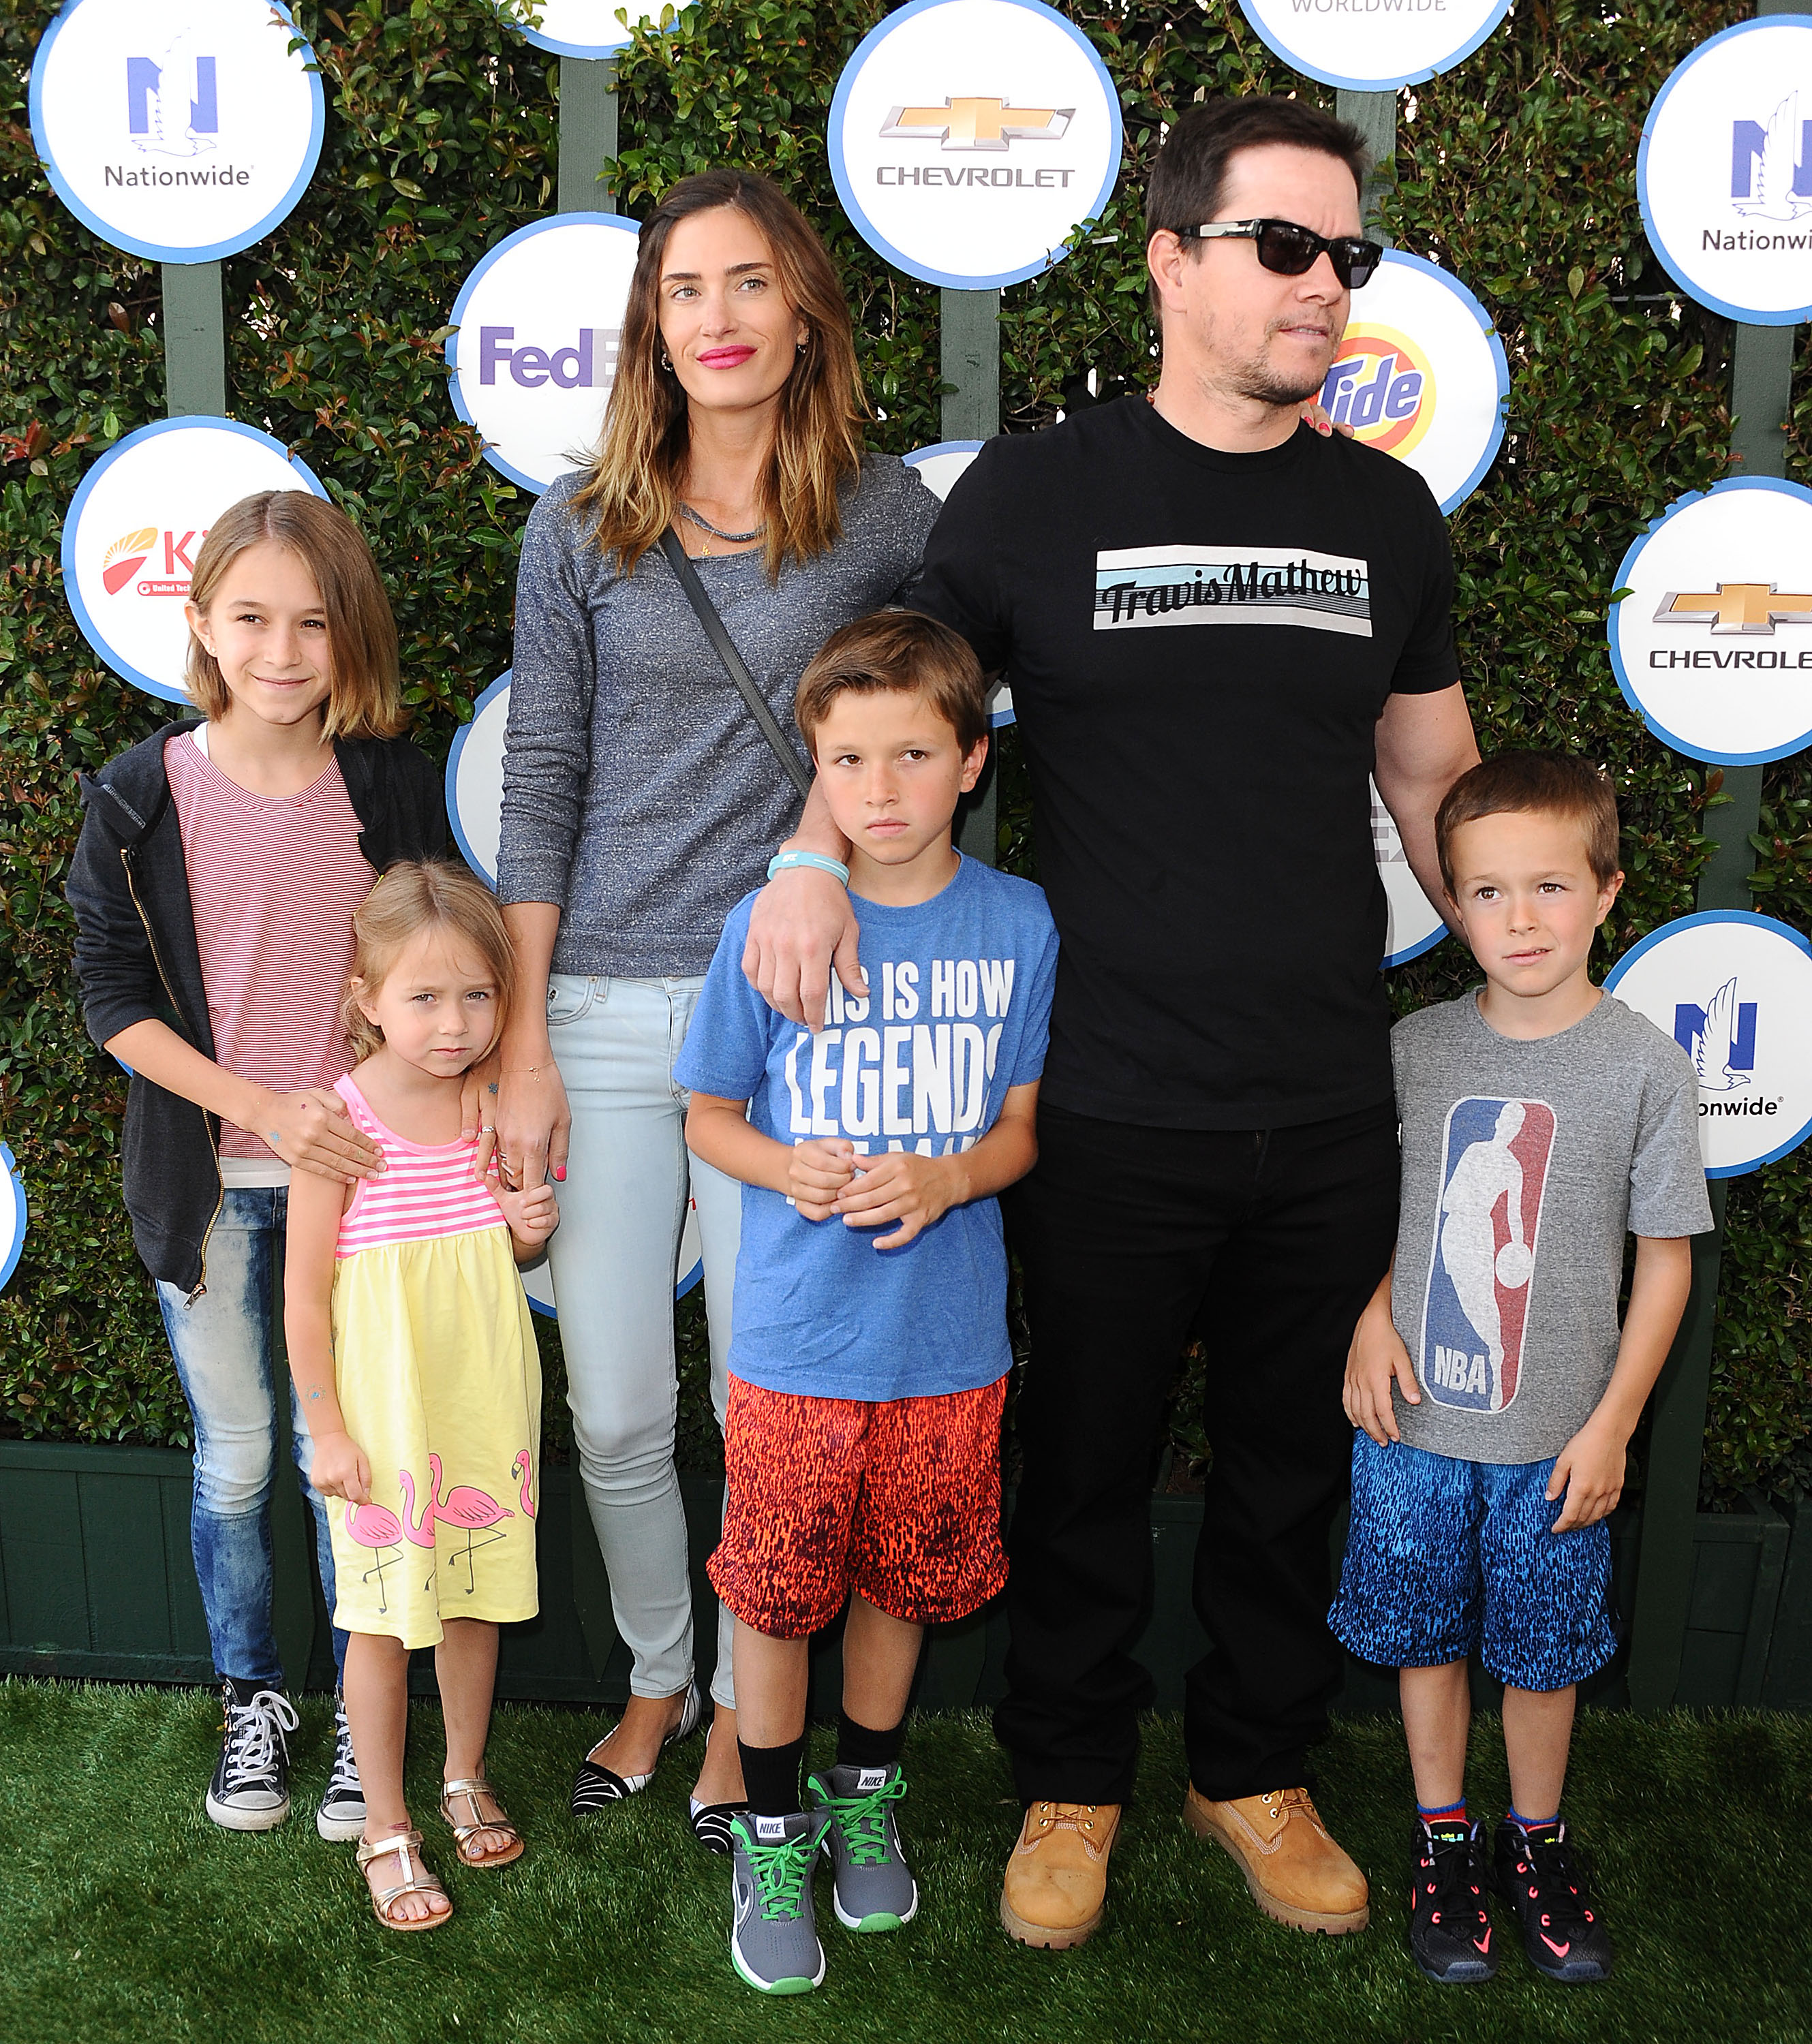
[(435, 1367)]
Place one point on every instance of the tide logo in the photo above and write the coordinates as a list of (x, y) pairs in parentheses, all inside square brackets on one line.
[(1771, 167), (972, 123), (1495, 1154), (130, 552), (588, 364), (1752, 607), (1382, 386), (1720, 1038)]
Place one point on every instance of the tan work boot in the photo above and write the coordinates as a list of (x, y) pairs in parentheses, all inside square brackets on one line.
[(1295, 1871), (1056, 1880)]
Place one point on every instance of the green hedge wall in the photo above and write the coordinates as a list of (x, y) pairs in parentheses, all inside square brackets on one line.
[(1517, 170)]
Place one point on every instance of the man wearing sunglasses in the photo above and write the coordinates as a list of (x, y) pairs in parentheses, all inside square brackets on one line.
[(1216, 620)]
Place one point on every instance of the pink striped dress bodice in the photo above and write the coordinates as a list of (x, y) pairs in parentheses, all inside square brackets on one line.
[(426, 1190)]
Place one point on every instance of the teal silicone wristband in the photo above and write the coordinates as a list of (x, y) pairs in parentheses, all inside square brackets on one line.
[(782, 860)]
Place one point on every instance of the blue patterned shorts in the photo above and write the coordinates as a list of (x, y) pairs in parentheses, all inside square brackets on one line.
[(1444, 1557)]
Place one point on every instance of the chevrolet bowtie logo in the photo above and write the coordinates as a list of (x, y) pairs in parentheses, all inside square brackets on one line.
[(978, 124), (1735, 606)]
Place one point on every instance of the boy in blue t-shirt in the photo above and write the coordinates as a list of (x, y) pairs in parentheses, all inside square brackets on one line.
[(869, 1354)]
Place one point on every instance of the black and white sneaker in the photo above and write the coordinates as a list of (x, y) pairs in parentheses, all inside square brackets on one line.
[(251, 1788), (1450, 1928), (1536, 1875), (341, 1816)]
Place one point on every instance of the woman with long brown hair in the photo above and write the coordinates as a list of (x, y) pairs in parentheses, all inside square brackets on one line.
[(641, 802)]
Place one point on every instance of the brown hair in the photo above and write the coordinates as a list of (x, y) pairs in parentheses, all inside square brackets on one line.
[(896, 649), (365, 696), (414, 895), (1524, 783), (633, 488)]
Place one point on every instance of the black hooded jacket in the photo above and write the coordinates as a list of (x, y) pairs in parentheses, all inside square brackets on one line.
[(137, 959)]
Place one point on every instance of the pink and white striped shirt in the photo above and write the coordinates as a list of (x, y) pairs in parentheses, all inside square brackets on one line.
[(426, 1190)]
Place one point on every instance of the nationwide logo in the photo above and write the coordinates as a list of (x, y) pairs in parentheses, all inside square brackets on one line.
[(588, 363), (130, 552), (969, 123), (1771, 167), (1382, 386), (1720, 1038), (173, 101), (1487, 1228), (1138, 587)]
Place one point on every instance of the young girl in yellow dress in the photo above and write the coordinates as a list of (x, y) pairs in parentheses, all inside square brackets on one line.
[(414, 1360)]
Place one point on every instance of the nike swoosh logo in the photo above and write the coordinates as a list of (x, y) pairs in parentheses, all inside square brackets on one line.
[(1483, 1943), (1559, 1951)]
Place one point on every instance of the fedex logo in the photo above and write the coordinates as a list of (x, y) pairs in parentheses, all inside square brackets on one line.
[(1495, 1161), (588, 364)]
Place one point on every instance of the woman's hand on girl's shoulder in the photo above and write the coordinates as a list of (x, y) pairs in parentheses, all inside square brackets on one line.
[(312, 1130)]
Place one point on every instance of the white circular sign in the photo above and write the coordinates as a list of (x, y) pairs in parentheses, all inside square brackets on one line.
[(539, 320), (689, 1268), (1724, 176), (1734, 991), (475, 780), (1413, 924), (1420, 374), (969, 138), (1713, 645), (134, 527), (589, 28), (13, 1216), (1374, 45), (179, 130)]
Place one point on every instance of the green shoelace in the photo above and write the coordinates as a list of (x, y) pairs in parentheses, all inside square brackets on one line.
[(781, 1871), (863, 1820)]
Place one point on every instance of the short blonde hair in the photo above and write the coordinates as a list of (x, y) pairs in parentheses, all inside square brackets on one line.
[(414, 895), (365, 693)]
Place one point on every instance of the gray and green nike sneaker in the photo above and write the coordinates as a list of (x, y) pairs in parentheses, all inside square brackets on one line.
[(875, 1889), (774, 1939)]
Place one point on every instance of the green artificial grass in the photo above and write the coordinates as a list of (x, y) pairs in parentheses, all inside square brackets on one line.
[(127, 1915)]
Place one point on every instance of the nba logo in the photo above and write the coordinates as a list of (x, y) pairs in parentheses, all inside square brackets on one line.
[(1475, 1307)]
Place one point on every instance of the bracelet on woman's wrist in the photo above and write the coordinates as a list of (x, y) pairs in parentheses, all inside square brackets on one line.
[(782, 861)]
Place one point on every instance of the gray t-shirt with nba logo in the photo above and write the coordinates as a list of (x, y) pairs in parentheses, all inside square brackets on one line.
[(1525, 1165)]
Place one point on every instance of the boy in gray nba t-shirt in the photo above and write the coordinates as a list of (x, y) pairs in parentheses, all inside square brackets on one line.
[(1493, 1392)]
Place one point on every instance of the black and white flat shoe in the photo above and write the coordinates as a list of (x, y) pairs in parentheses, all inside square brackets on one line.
[(596, 1786), (710, 1823)]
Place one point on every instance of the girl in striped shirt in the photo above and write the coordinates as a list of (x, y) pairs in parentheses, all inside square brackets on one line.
[(415, 1364)]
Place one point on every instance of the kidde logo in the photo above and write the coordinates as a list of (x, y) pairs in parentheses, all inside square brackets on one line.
[(130, 552), (588, 364), (1735, 606), (978, 124), (1382, 386)]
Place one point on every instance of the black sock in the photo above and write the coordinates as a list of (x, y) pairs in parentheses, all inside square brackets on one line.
[(771, 1774), (861, 1746)]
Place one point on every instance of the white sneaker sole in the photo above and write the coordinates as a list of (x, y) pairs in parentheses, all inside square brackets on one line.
[(232, 1818), (339, 1831)]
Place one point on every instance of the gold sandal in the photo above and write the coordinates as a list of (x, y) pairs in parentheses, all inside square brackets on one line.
[(471, 1789), (418, 1878)]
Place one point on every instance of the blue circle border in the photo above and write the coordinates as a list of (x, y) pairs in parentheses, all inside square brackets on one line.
[(865, 228), (1704, 916), (10, 1164), (1500, 361), (454, 754), (1743, 315), (1294, 59), (156, 251), (555, 47), (457, 316), (72, 518), (1415, 950), (1625, 567)]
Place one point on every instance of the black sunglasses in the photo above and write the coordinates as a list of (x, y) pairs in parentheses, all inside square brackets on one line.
[(1289, 250)]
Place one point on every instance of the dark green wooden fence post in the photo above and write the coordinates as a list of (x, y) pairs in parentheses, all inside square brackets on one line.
[(587, 133), (1375, 115), (969, 344), (194, 340)]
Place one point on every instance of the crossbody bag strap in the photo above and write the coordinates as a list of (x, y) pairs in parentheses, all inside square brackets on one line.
[(733, 663)]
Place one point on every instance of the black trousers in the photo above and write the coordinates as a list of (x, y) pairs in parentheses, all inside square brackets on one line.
[(1266, 1244)]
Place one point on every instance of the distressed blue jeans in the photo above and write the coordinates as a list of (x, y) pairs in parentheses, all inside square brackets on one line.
[(235, 1378)]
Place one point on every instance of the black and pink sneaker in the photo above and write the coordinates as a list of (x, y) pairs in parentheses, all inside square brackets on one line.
[(1450, 1929), (1562, 1931)]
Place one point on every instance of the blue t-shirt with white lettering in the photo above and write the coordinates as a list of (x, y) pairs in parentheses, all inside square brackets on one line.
[(959, 1011)]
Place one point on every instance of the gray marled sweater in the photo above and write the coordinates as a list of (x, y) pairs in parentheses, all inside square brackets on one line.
[(638, 793)]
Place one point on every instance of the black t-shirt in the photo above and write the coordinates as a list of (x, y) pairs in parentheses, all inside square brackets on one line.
[(1200, 645)]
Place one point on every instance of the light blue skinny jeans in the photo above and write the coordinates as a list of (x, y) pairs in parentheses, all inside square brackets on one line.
[(229, 1364), (612, 1259)]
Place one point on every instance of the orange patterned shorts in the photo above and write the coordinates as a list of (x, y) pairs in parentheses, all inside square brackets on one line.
[(898, 1500)]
